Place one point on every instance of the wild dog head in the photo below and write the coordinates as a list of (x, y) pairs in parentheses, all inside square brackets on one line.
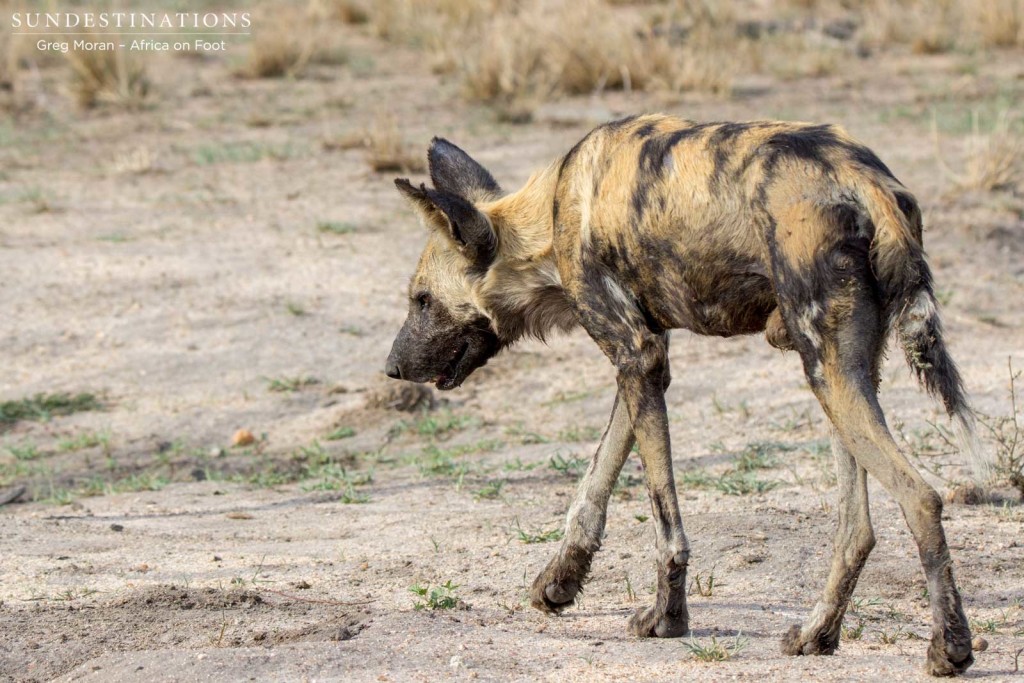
[(446, 335)]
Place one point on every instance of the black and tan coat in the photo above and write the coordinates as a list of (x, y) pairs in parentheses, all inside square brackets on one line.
[(651, 224)]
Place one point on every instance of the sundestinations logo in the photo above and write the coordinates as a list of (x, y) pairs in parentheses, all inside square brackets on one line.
[(134, 31), (131, 20)]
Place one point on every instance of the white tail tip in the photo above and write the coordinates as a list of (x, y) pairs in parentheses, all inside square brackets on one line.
[(982, 467)]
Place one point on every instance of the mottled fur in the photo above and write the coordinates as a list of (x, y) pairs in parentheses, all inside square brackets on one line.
[(652, 223)]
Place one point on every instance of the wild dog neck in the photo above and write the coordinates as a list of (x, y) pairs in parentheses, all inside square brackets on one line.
[(522, 290)]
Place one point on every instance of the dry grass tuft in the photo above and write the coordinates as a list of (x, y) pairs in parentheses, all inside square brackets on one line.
[(115, 78), (1008, 433), (927, 26), (386, 148), (279, 48), (287, 40), (345, 11), (792, 56), (9, 81), (528, 56), (933, 26), (995, 160), (1000, 23)]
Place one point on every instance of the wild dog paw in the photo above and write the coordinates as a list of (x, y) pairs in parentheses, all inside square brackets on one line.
[(552, 596), (820, 643), (948, 659), (652, 622), (557, 586)]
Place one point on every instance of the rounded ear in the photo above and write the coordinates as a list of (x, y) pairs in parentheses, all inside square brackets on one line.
[(452, 170), (469, 230)]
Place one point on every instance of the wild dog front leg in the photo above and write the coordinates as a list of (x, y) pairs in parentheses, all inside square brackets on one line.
[(556, 587), (640, 385)]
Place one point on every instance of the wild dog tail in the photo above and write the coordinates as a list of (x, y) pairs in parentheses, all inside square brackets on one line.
[(898, 259)]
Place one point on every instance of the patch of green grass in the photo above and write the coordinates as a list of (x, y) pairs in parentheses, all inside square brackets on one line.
[(742, 484), (436, 461), (242, 152), (892, 637), (440, 463), (715, 651), (525, 437), (440, 424), (43, 407), (858, 604), (760, 455), (722, 408), (436, 598), (313, 455), (703, 586), (577, 434), (144, 481), (24, 451), (83, 441), (853, 632), (573, 466), (11, 472), (732, 482), (548, 536), (341, 433), (290, 384), (335, 227), (518, 465), (59, 495), (567, 397), (352, 497), (985, 625), (947, 114), (334, 477), (268, 478), (490, 491)]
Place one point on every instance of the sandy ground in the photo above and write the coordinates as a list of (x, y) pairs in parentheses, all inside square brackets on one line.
[(178, 288)]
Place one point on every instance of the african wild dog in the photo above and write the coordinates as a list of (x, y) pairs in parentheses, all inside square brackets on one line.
[(652, 223)]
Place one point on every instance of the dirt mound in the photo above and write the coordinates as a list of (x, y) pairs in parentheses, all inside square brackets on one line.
[(47, 639), (179, 597)]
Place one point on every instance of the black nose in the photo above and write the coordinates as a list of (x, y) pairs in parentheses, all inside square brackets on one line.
[(392, 370)]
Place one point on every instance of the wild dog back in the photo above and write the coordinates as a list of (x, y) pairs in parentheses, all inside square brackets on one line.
[(683, 212)]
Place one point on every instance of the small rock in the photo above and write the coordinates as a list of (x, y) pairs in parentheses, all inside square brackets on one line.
[(342, 634), (12, 494), (243, 437), (979, 644), (117, 527)]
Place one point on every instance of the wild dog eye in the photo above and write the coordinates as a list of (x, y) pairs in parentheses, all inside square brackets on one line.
[(423, 300)]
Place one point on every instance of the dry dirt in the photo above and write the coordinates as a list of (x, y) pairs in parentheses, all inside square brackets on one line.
[(169, 260)]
